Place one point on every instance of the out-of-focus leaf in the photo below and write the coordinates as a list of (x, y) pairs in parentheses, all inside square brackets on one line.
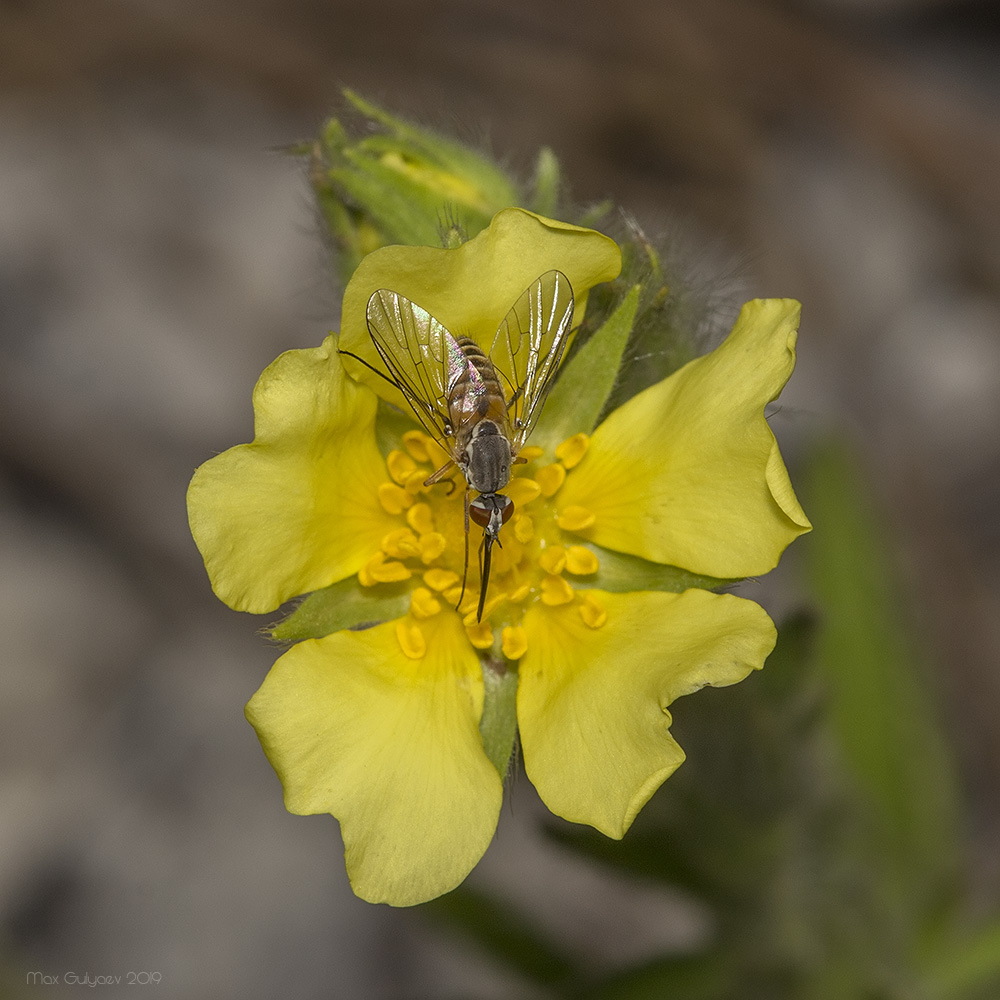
[(880, 702), (503, 933), (698, 977), (968, 969)]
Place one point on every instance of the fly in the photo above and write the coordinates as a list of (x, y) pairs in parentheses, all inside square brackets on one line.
[(480, 407)]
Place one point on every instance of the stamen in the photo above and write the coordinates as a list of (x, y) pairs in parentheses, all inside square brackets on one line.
[(394, 499), (581, 561), (550, 478), (415, 483), (380, 571), (531, 452), (400, 466), (514, 642), (480, 634), (556, 591), (488, 607), (575, 518), (415, 442), (520, 593), (411, 639), (440, 579), (524, 528), (423, 604), (523, 490), (401, 544), (431, 546), (572, 450), (420, 518), (553, 559), (593, 615)]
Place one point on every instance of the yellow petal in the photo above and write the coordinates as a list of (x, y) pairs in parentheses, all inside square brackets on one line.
[(687, 472), (592, 700), (470, 289), (391, 747), (297, 509)]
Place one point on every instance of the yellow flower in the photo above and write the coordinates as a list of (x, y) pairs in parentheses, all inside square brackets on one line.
[(380, 725)]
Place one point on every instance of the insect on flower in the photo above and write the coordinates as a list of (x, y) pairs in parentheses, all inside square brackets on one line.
[(479, 407)]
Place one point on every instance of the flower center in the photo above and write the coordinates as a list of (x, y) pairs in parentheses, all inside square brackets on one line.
[(532, 558)]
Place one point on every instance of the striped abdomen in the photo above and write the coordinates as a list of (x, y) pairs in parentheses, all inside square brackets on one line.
[(474, 391)]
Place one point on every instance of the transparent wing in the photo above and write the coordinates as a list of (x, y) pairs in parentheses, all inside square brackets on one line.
[(422, 357), (529, 345)]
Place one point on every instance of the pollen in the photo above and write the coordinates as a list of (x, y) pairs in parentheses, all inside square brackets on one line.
[(415, 442), (550, 478), (524, 528), (400, 466), (572, 450), (514, 642), (423, 604), (480, 634), (411, 639), (394, 499), (580, 561), (556, 591), (431, 546), (378, 570), (440, 579), (401, 544), (523, 490), (575, 518), (593, 615), (553, 559), (420, 518)]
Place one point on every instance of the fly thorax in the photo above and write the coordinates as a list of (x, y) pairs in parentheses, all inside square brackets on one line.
[(488, 458)]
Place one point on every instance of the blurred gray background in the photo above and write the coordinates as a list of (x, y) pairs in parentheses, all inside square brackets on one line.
[(157, 251)]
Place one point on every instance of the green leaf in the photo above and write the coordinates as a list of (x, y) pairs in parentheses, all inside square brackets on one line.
[(880, 700), (686, 977), (587, 378), (968, 968), (501, 932), (343, 605)]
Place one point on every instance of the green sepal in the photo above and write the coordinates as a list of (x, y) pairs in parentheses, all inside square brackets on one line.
[(547, 181), (621, 573), (587, 378), (343, 605), (498, 725)]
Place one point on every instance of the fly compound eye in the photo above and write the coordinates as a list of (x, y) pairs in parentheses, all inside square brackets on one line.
[(480, 513), (507, 510)]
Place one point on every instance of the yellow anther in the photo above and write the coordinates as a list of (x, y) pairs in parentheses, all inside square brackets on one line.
[(555, 591), (520, 593), (524, 528), (514, 642), (593, 615), (394, 499), (415, 482), (550, 478), (480, 634), (488, 608), (440, 579), (401, 544), (400, 466), (415, 442), (431, 546), (452, 594), (523, 490), (580, 561), (530, 453), (572, 450), (411, 639), (420, 518), (423, 604), (388, 572), (575, 518), (553, 559)]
